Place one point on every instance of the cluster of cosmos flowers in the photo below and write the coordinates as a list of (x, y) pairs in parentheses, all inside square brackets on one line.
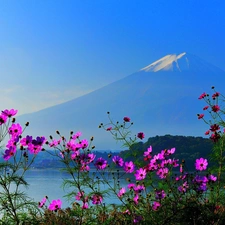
[(78, 150), (212, 107), (27, 144)]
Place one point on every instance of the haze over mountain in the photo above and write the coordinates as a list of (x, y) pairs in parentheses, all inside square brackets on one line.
[(161, 98)]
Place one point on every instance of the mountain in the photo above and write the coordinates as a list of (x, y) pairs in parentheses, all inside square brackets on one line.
[(161, 98)]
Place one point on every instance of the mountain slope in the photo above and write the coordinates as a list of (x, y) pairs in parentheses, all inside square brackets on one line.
[(160, 99)]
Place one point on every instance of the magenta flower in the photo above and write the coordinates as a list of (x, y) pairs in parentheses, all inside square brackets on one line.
[(126, 119), (212, 178), (34, 149), (90, 157), (140, 174), (100, 163), (136, 198), (79, 196), (147, 154), (55, 205), (3, 119), (183, 188), (162, 172), (42, 202), (84, 144), (155, 206), (10, 113), (118, 160), (121, 192), (9, 153), (25, 141), (77, 135), (15, 130), (160, 194), (54, 143), (201, 164), (131, 186), (129, 167), (85, 205), (141, 135), (206, 107), (97, 199), (109, 128), (139, 188)]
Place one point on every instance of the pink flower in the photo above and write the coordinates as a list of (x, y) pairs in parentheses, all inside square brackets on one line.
[(181, 168), (126, 119), (25, 141), (54, 143), (109, 128), (55, 205), (97, 199), (141, 135), (118, 160), (136, 198), (9, 153), (77, 135), (212, 178), (149, 151), (79, 196), (139, 188), (140, 174), (183, 187), (42, 202), (84, 144), (85, 205), (3, 119), (201, 164), (131, 186), (90, 157), (207, 132), (10, 113), (206, 107), (129, 167), (162, 172), (100, 163), (160, 194), (155, 206), (15, 130), (121, 192)]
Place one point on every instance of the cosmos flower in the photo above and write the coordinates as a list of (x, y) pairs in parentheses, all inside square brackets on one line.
[(55, 205), (129, 167), (201, 164), (140, 174), (100, 163)]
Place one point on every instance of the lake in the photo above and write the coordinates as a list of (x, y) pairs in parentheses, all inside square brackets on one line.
[(48, 182)]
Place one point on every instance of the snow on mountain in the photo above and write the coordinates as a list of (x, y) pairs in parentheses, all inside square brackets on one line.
[(180, 62), (160, 99)]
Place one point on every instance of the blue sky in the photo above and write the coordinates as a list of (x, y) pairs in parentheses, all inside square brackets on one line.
[(52, 51)]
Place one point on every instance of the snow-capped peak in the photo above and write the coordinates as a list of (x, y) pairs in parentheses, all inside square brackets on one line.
[(180, 62)]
